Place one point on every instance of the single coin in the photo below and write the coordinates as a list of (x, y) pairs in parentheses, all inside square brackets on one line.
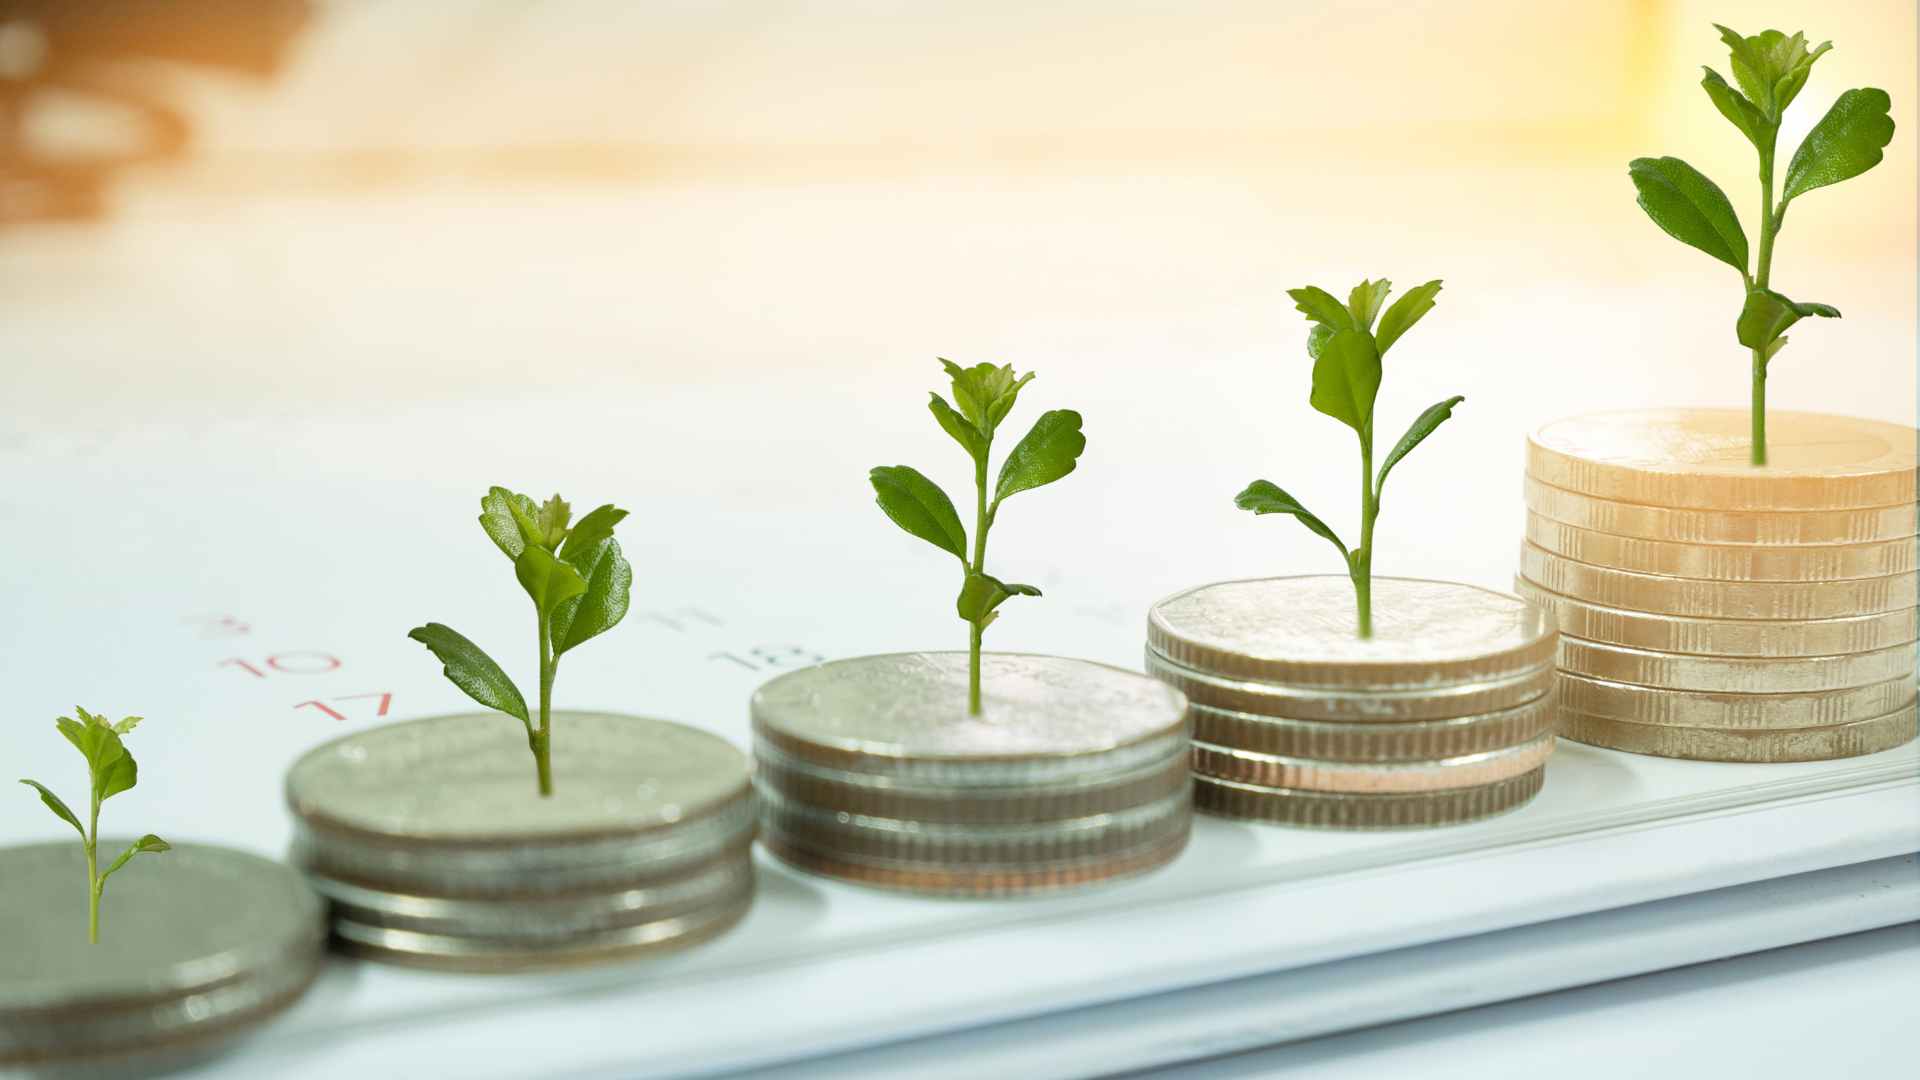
[(1702, 458), (1301, 632), (1408, 740), (980, 882), (1045, 720), (1718, 744), (448, 806), (1709, 709), (1736, 674), (1274, 771), (886, 796), (1717, 599), (195, 943), (1723, 562), (1385, 706), (1328, 810), (1725, 637), (1731, 526)]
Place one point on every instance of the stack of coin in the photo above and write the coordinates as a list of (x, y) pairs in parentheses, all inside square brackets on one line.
[(198, 946), (1717, 610), (872, 770), (1444, 715), (436, 849)]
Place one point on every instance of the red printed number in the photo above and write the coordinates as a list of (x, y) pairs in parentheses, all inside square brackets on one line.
[(287, 663)]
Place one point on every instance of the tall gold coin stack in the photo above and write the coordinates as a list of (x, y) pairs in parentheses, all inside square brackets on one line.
[(1714, 609), (1444, 715)]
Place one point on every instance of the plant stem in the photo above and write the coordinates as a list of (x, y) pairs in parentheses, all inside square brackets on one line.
[(981, 523), (1361, 569), (542, 739), (93, 874), (1763, 272)]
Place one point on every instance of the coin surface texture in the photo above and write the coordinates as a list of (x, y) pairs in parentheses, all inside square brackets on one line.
[(1719, 744), (1795, 528), (1724, 637), (1272, 770), (1736, 674), (1407, 740), (1321, 809), (1723, 562), (1741, 711), (1700, 458), (1718, 599), (1300, 631), (1378, 706)]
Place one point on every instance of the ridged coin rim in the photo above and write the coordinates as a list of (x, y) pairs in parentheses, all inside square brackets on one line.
[(1825, 743), (1718, 599), (1658, 707), (1736, 674), (1759, 527), (1326, 810), (1383, 707), (1345, 741), (1723, 562), (1274, 771), (1776, 638)]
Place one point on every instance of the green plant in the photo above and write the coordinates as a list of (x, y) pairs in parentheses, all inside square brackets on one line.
[(984, 394), (1771, 68), (1346, 348), (110, 771), (579, 583)]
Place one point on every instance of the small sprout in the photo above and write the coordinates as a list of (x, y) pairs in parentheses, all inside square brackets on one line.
[(579, 583), (983, 394), (1770, 69), (110, 771), (1346, 347)]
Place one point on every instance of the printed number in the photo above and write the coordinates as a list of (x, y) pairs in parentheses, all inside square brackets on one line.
[(288, 663), (220, 626), (386, 699), (761, 657)]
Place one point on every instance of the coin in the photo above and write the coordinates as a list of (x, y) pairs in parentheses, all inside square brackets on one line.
[(1300, 632), (195, 945), (1407, 740), (1709, 709), (1724, 637), (1322, 809), (1719, 744), (981, 881), (1723, 562), (1793, 528), (1717, 599), (1388, 706), (1701, 458), (1274, 771), (1736, 674)]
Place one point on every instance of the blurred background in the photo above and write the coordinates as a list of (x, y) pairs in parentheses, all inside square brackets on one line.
[(212, 208)]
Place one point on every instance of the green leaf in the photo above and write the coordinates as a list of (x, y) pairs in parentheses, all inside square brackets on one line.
[(1767, 354), (1317, 336), (985, 393), (59, 808), (552, 522), (1262, 497), (110, 769), (1770, 66), (1690, 208), (601, 607), (917, 505), (1845, 143), (127, 725), (583, 541), (1048, 452), (472, 670), (1739, 111), (1767, 315), (982, 593), (117, 771), (1346, 378), (1409, 309), (1421, 427), (547, 580), (1363, 303), (508, 518), (1319, 305), (958, 426), (146, 844)]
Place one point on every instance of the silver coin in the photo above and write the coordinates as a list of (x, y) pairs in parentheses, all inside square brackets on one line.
[(981, 881), (198, 940), (1725, 637), (1736, 674), (1301, 632), (1383, 706), (1852, 739), (1345, 741), (1275, 771), (1334, 810)]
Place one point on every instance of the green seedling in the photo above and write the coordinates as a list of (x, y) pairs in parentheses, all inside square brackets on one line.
[(1771, 68), (110, 771), (1346, 348), (984, 394), (579, 583)]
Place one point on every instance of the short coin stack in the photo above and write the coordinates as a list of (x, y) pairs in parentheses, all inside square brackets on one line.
[(871, 770), (1717, 610), (436, 849), (197, 946), (1443, 716)]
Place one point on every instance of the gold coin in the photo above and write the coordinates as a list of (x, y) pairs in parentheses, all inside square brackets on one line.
[(1274, 771), (1724, 637), (1712, 744), (1382, 706), (1711, 709), (977, 881), (1717, 599), (1790, 527), (1723, 562), (1300, 632), (1700, 458), (1736, 674), (1333, 810), (1406, 740)]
